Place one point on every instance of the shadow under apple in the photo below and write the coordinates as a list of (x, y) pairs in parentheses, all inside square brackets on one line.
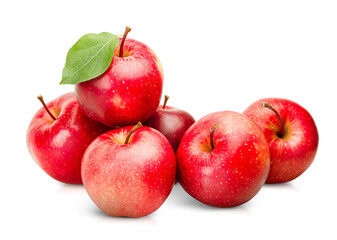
[(103, 217), (185, 200)]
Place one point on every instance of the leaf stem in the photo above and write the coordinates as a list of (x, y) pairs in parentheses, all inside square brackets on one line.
[(127, 30), (45, 107)]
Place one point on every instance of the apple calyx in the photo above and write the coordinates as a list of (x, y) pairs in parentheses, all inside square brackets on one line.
[(138, 125), (45, 107), (127, 30), (211, 134), (280, 134), (165, 101)]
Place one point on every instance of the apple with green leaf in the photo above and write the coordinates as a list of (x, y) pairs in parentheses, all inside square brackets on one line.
[(118, 81)]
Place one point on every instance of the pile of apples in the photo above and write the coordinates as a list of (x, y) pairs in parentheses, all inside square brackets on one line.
[(128, 152)]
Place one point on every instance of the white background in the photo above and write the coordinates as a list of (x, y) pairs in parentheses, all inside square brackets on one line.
[(216, 55)]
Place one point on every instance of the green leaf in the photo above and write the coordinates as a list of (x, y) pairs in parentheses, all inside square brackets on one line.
[(90, 56)]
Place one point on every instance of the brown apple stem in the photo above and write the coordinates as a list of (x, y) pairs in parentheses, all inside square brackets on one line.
[(211, 134), (45, 107), (165, 101), (127, 30), (138, 125), (266, 105)]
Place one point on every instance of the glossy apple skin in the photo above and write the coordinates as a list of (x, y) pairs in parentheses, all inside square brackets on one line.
[(234, 171), (130, 180), (58, 146), (128, 92), (171, 122), (292, 154)]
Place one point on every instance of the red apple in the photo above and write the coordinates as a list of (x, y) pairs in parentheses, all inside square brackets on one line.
[(129, 91), (129, 171), (171, 122), (223, 159), (58, 135), (291, 134)]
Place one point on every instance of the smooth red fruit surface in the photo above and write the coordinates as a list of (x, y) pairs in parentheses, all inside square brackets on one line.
[(171, 122), (293, 152), (233, 171), (132, 179), (128, 92), (58, 146)]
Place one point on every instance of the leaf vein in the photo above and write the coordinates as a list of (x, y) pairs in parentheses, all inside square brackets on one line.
[(91, 58)]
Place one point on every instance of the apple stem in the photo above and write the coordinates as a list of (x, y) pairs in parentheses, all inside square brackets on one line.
[(266, 105), (138, 125), (165, 101), (45, 107), (127, 30), (211, 134)]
